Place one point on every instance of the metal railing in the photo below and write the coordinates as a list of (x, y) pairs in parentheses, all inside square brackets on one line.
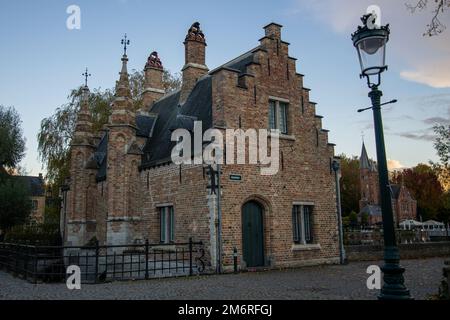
[(100, 263)]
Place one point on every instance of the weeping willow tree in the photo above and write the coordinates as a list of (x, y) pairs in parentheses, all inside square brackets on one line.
[(56, 131)]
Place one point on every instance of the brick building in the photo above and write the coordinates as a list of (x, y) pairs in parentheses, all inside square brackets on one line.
[(403, 204), (125, 188), (36, 188)]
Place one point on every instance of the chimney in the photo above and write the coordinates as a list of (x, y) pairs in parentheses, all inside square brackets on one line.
[(273, 30), (194, 68), (153, 84)]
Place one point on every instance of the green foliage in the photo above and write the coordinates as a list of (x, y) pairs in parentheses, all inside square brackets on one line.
[(365, 219), (52, 212), (92, 242), (171, 82), (12, 143), (442, 146), (56, 131), (350, 186), (346, 222), (42, 234), (15, 205), (353, 219)]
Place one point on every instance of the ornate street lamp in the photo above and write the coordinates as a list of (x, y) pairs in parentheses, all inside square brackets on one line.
[(370, 42)]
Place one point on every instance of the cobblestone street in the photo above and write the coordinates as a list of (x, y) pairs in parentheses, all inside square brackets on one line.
[(321, 282)]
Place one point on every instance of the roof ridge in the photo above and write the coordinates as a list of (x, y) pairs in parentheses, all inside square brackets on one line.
[(234, 60)]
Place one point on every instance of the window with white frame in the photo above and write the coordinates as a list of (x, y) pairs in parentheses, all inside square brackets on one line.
[(167, 224), (34, 205), (278, 115), (302, 224)]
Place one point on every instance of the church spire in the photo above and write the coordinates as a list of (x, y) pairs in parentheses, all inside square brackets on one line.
[(364, 162), (83, 126), (123, 85), (122, 107)]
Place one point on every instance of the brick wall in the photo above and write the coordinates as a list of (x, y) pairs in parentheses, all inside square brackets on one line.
[(127, 203), (407, 251)]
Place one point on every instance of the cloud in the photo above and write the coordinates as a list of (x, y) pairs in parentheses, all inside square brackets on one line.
[(425, 135), (436, 74), (436, 120), (434, 100), (420, 59), (394, 165)]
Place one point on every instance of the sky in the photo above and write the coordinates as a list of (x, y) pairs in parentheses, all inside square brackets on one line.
[(41, 60)]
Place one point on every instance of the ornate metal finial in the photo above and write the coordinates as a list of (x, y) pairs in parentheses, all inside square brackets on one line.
[(86, 75), (153, 61), (195, 33), (125, 42), (365, 19)]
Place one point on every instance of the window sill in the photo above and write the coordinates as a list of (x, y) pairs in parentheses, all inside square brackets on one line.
[(284, 136), (306, 247)]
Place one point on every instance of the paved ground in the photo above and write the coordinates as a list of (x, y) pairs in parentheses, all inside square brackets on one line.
[(321, 282)]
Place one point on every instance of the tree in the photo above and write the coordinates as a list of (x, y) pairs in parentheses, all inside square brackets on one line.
[(353, 219), (442, 146), (350, 186), (15, 203), (435, 27), (56, 131), (12, 142), (442, 169), (171, 82)]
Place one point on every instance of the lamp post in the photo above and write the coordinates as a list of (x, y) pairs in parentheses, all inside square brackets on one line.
[(370, 42)]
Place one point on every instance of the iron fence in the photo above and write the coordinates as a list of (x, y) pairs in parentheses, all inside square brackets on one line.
[(100, 263)]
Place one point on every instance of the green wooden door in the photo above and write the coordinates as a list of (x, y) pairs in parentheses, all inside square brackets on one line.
[(253, 234)]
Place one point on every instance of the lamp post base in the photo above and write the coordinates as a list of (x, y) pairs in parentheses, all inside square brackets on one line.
[(393, 287)]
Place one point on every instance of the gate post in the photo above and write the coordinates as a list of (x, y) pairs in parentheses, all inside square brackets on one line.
[(96, 260), (146, 259), (35, 264), (27, 251), (190, 256)]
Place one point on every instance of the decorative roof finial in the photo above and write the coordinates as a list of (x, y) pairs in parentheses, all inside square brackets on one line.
[(86, 75), (153, 61), (195, 33), (125, 42)]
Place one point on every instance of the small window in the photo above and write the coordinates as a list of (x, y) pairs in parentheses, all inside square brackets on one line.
[(302, 224), (283, 117), (272, 115), (278, 115), (167, 224), (34, 205)]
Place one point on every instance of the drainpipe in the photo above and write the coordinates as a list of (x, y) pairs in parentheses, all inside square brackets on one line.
[(336, 168), (219, 223)]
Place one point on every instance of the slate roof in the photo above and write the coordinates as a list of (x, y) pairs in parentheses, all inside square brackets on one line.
[(372, 210), (365, 162), (364, 159), (166, 115), (241, 62), (171, 116), (395, 189), (35, 185), (145, 124)]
